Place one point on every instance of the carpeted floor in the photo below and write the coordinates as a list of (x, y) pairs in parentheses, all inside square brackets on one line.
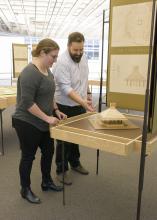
[(112, 195)]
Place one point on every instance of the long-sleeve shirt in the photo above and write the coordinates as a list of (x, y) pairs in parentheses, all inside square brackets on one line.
[(34, 87), (70, 76)]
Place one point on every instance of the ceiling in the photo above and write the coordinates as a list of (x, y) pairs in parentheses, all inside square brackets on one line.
[(52, 18)]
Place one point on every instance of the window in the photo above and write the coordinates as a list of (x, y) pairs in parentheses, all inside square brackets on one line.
[(92, 49), (31, 40)]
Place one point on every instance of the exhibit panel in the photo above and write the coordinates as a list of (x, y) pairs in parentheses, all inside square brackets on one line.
[(153, 84), (20, 58), (129, 39)]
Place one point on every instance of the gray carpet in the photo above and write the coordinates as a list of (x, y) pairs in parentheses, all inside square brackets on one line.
[(112, 195)]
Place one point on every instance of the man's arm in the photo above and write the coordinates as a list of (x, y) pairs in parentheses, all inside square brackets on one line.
[(63, 79), (84, 103)]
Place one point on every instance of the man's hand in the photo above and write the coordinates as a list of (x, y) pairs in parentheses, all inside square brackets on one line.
[(88, 106)]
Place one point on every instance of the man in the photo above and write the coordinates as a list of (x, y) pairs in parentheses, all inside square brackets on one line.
[(73, 98)]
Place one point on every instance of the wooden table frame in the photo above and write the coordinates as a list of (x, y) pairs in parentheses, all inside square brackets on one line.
[(104, 140), (92, 83)]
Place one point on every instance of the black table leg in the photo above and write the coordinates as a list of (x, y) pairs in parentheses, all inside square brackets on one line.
[(97, 164), (2, 137), (63, 172)]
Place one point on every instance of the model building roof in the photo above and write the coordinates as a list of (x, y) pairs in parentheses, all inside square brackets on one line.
[(112, 114)]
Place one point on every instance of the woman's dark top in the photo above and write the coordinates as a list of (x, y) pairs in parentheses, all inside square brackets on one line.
[(34, 87)]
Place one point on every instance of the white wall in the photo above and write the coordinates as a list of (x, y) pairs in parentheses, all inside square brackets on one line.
[(6, 53)]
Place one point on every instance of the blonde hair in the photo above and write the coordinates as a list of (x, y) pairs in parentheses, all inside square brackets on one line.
[(46, 45)]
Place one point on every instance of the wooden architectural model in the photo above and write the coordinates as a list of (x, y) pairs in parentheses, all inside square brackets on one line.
[(111, 119)]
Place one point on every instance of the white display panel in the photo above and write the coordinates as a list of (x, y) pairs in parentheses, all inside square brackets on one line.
[(128, 74), (131, 25)]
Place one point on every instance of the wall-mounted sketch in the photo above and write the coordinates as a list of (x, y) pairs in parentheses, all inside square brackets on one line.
[(131, 25), (20, 58), (136, 79), (20, 51), (128, 74), (20, 65)]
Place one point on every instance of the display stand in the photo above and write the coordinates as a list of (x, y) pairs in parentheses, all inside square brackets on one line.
[(151, 69), (2, 137), (147, 107), (101, 80)]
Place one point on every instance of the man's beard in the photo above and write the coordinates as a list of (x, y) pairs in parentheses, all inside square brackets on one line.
[(76, 58)]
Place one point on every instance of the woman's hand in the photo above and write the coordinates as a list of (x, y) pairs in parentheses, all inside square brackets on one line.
[(52, 120), (60, 115)]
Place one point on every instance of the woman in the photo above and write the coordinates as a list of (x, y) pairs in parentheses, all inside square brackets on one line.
[(34, 114)]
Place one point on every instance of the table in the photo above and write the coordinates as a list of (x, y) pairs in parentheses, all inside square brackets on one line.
[(121, 142), (95, 83), (79, 130), (7, 98)]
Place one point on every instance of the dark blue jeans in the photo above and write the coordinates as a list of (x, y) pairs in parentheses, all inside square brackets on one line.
[(30, 139), (71, 151)]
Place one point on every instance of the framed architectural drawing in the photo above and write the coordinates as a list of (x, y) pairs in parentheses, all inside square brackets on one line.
[(20, 58), (19, 65), (128, 73), (129, 39), (130, 25)]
